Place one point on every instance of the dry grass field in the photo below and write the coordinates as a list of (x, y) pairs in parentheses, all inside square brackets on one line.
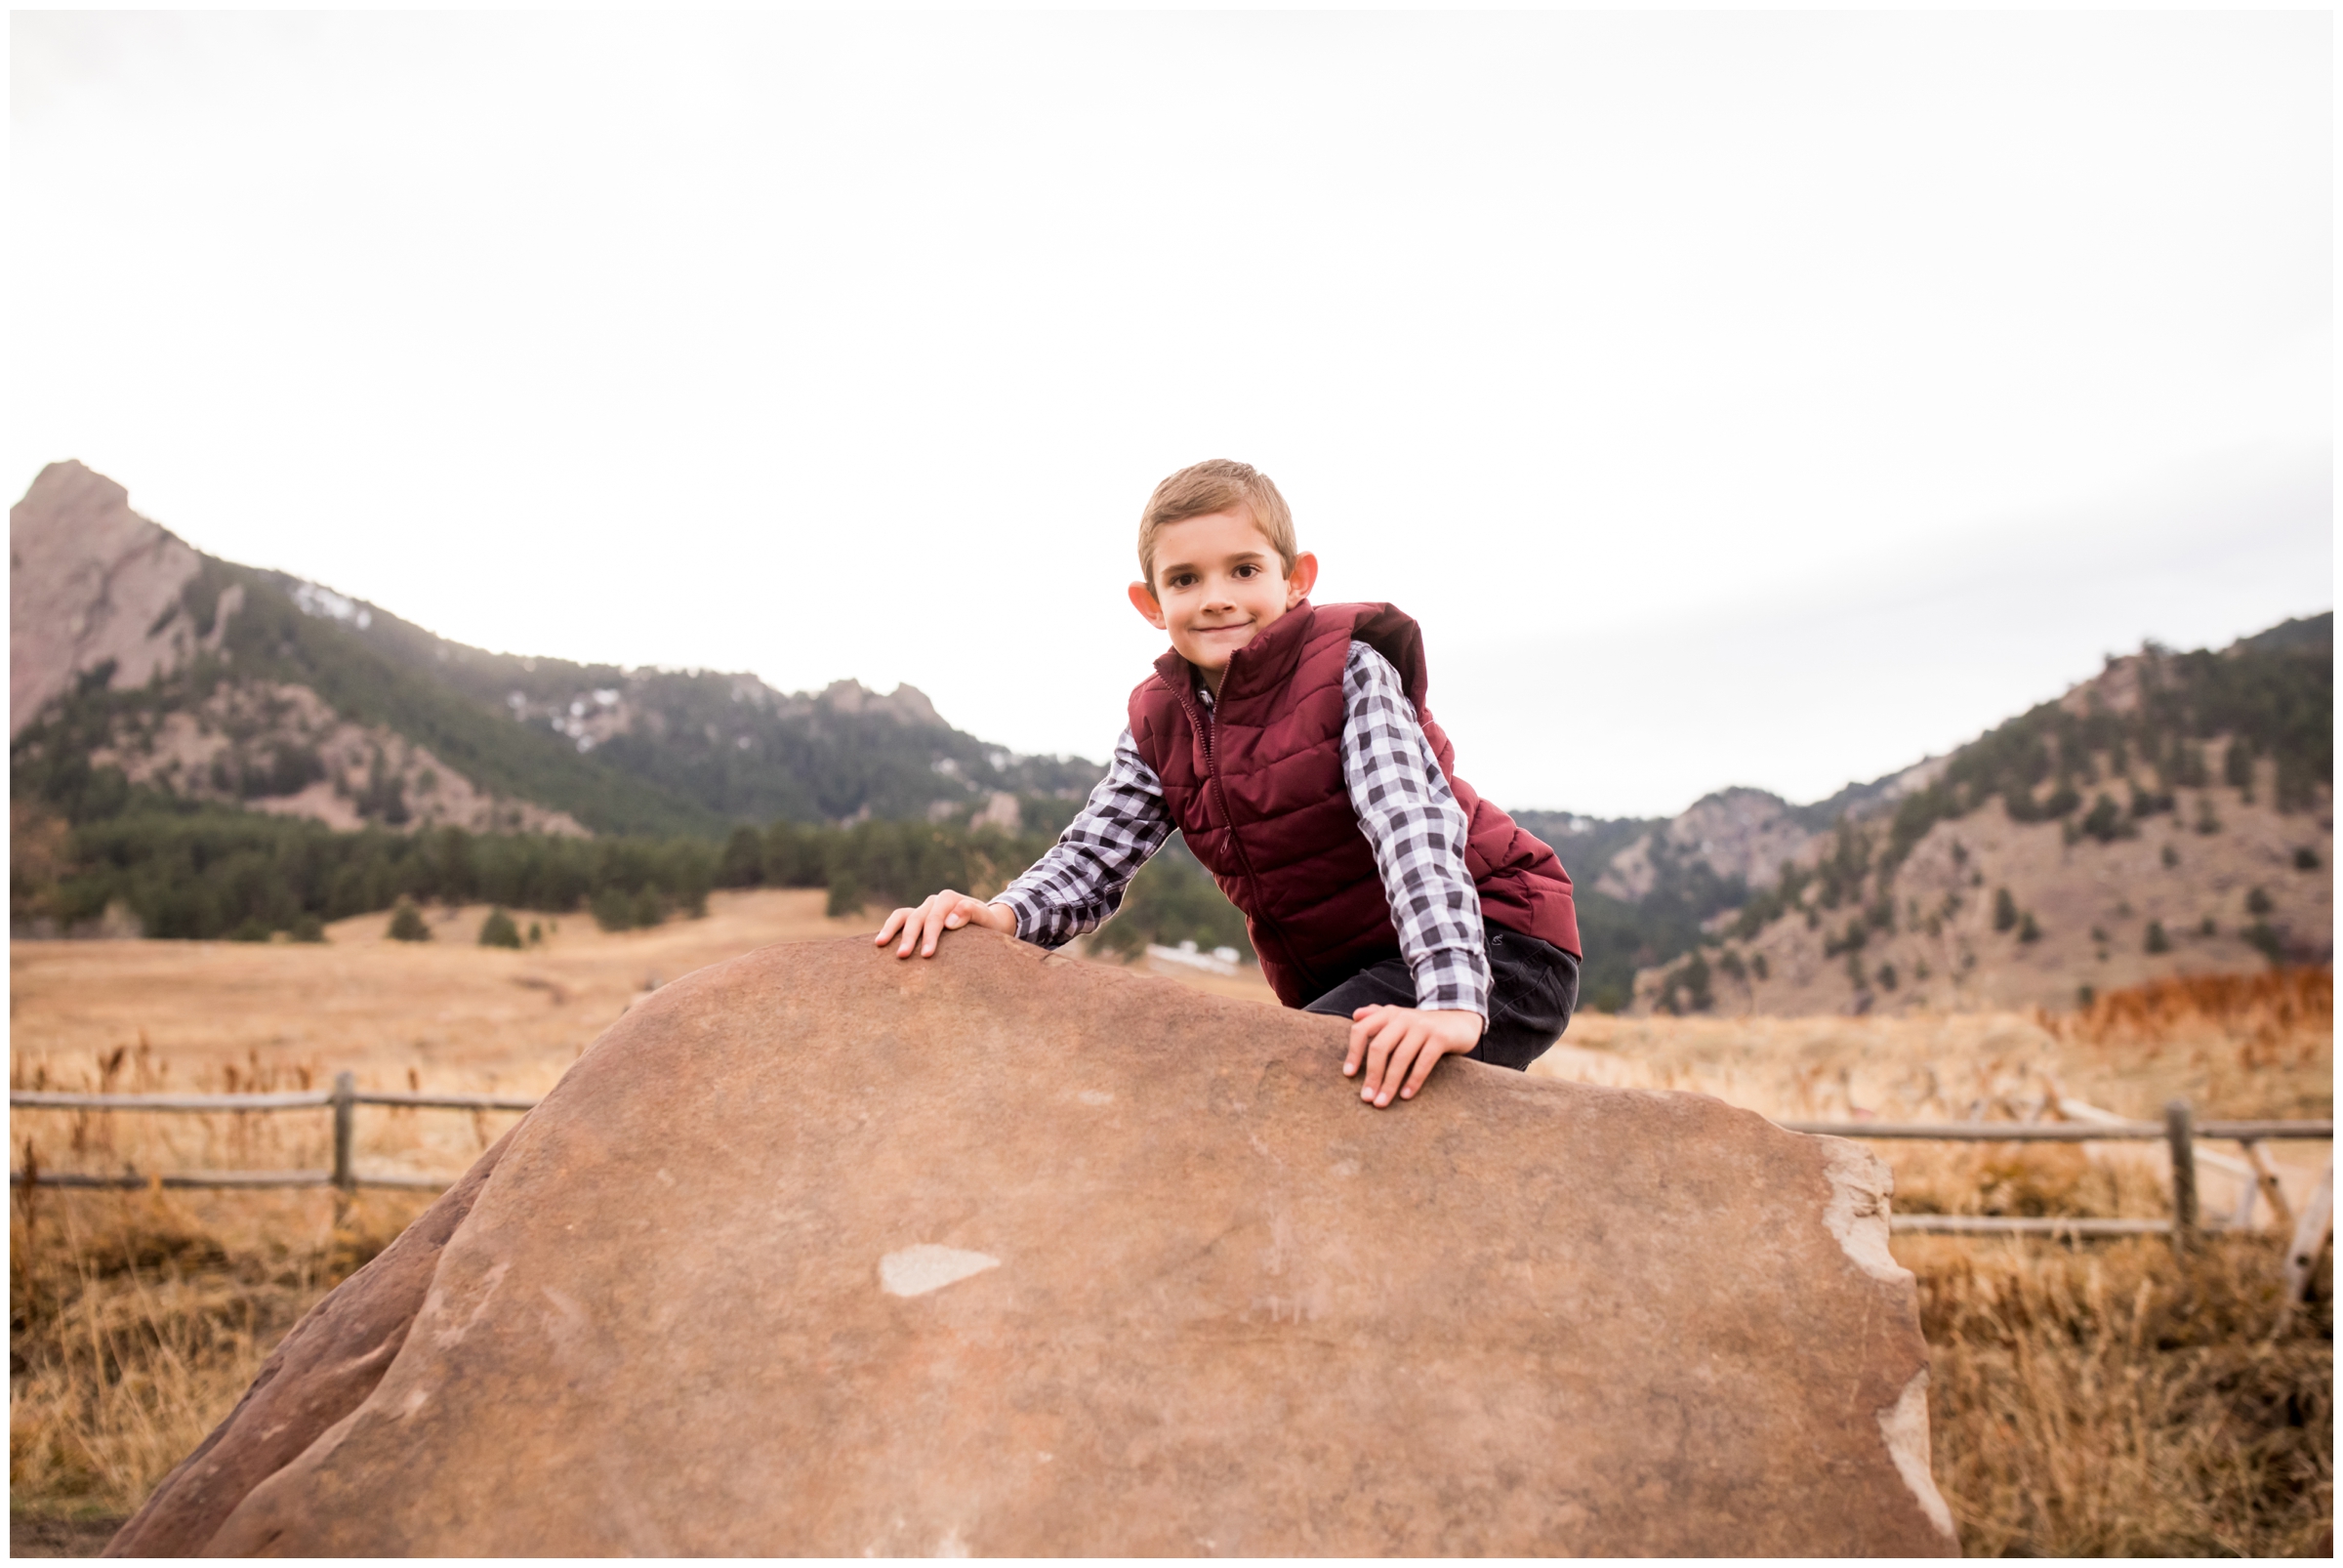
[(2096, 1398)]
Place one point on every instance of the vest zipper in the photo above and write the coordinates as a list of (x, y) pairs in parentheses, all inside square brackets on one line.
[(1212, 771)]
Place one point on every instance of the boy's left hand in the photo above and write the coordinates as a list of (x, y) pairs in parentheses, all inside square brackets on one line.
[(1401, 1046)]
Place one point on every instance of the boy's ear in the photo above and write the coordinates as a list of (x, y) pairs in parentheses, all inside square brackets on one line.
[(1142, 599), (1301, 579)]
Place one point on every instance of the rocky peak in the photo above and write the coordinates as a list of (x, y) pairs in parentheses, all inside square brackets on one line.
[(905, 704), (90, 581)]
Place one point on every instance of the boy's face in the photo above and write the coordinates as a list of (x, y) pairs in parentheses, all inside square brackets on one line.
[(1218, 582)]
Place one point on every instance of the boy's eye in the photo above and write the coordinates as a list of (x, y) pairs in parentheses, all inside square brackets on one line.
[(1249, 570), (1182, 580)]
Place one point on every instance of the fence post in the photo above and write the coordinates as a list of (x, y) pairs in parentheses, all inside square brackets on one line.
[(2179, 1132), (2310, 1240), (346, 1089)]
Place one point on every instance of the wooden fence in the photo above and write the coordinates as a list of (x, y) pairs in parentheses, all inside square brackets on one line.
[(343, 1100), (2179, 1131)]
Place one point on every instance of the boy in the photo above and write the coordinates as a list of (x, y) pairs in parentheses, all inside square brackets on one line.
[(1289, 744)]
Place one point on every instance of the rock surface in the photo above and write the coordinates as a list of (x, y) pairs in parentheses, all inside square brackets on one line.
[(89, 580), (817, 1251)]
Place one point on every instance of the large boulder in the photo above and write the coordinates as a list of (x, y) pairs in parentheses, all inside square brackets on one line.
[(822, 1251)]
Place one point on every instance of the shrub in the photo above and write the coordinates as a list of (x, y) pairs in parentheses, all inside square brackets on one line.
[(407, 924), (2306, 859), (2264, 939), (1687, 987), (2028, 930), (1888, 977), (2005, 910), (2158, 942), (2172, 857), (2297, 784), (742, 864), (2237, 768), (2207, 823), (2208, 927), (253, 929), (308, 929), (1758, 965), (292, 769), (614, 909), (498, 931), (2105, 821), (2259, 902), (1851, 942)]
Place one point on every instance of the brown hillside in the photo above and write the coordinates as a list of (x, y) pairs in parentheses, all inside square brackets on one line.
[(2142, 845), (2093, 905)]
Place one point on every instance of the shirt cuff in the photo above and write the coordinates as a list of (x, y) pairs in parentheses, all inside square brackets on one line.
[(1029, 914), (1454, 980)]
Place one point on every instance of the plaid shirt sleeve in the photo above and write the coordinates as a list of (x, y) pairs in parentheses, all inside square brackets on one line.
[(1416, 830), (1079, 884)]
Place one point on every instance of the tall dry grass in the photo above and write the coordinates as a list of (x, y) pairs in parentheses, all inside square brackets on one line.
[(2116, 1401), (138, 1319)]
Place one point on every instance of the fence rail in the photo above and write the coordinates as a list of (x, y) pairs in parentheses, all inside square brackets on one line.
[(2061, 1131), (297, 1101), (2179, 1131), (343, 1100)]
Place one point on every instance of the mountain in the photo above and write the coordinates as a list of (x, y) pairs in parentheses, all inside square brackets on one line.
[(2173, 814), (139, 662), (170, 711)]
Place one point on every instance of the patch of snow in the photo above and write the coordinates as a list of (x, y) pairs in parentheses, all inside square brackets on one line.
[(313, 599)]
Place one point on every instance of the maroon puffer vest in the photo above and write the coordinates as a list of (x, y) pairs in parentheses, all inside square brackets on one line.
[(1258, 794)]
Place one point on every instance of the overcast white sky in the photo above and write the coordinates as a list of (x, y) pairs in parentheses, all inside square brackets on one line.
[(1735, 398)]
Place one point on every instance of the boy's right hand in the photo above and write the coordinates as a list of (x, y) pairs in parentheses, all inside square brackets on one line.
[(947, 911)]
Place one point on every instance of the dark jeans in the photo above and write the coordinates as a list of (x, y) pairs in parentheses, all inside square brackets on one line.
[(1534, 985)]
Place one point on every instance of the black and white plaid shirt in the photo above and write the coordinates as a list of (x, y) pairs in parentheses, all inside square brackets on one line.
[(1406, 808)]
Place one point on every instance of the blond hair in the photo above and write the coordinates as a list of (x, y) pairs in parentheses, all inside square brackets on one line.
[(1218, 484)]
